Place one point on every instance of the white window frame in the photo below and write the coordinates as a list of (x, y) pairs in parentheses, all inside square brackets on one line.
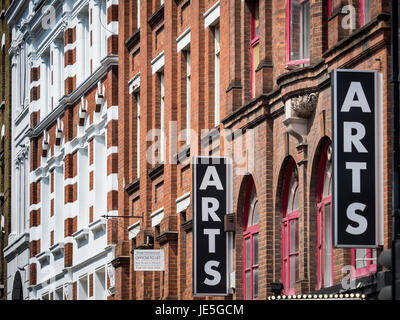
[(138, 14), (217, 76), (45, 213), (188, 96), (100, 176), (100, 285), (138, 134), (45, 84), (81, 288), (162, 117)]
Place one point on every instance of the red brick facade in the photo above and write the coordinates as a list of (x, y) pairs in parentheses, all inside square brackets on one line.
[(159, 186)]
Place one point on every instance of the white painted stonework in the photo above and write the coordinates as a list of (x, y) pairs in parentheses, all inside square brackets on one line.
[(91, 253)]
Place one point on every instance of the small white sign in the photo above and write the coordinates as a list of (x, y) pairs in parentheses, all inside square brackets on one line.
[(149, 260)]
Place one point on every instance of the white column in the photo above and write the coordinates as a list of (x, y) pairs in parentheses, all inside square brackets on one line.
[(80, 49), (43, 87), (59, 204), (83, 187), (14, 71), (45, 213), (96, 33), (55, 47), (18, 82), (100, 177), (15, 212), (26, 190)]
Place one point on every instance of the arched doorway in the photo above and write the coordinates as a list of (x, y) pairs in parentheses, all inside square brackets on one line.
[(17, 293)]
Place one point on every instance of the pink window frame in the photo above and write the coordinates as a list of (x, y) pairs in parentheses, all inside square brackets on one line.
[(369, 269), (255, 40), (321, 203), (330, 8), (287, 218), (361, 12), (288, 39), (248, 232)]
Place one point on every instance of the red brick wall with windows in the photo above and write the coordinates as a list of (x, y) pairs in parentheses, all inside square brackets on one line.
[(262, 115)]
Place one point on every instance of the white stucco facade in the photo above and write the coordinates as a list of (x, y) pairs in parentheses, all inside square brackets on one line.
[(34, 45)]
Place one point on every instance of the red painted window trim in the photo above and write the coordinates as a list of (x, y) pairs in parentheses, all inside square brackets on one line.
[(287, 218), (255, 40), (362, 8), (321, 203), (330, 8), (248, 233), (288, 40), (369, 269)]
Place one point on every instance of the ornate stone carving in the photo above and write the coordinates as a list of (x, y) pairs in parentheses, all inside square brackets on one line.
[(68, 291), (111, 275), (305, 105)]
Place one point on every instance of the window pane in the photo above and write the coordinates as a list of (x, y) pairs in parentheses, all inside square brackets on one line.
[(284, 239), (255, 283), (248, 252), (257, 20), (296, 235), (361, 255), (255, 249), (305, 10), (327, 179), (256, 62), (248, 285), (292, 271), (367, 11), (292, 236), (373, 256), (255, 214), (295, 29), (328, 245), (295, 199), (296, 263)]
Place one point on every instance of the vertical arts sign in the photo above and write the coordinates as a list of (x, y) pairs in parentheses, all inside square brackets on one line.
[(212, 188), (357, 159)]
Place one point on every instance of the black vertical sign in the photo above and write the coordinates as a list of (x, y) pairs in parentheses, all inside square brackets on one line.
[(356, 153), (211, 185)]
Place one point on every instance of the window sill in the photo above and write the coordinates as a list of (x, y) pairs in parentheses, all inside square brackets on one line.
[(21, 115), (57, 249), (81, 235), (98, 225), (43, 256), (292, 65), (366, 271)]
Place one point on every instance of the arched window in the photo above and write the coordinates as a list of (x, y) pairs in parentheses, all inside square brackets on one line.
[(17, 291), (324, 220), (290, 234), (250, 244)]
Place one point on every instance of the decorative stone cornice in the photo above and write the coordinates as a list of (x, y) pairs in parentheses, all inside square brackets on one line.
[(156, 171), (157, 17), (133, 186), (120, 261), (167, 237), (187, 226), (304, 105)]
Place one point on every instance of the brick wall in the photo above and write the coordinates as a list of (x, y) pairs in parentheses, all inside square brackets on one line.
[(275, 83)]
